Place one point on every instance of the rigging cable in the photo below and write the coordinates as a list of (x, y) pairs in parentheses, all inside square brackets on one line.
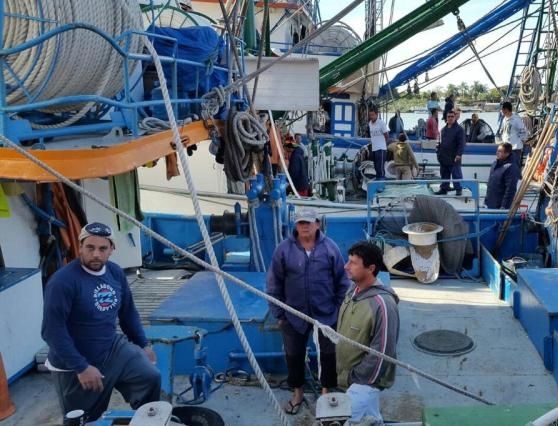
[(463, 29)]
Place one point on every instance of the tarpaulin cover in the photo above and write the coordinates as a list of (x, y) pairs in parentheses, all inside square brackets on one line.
[(198, 44), (436, 210)]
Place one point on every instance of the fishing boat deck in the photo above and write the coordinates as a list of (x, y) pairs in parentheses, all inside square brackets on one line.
[(503, 367)]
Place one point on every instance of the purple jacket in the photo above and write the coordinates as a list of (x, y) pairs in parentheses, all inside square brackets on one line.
[(314, 284)]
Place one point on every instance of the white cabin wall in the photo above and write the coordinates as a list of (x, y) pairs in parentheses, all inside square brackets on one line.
[(18, 233), (128, 248)]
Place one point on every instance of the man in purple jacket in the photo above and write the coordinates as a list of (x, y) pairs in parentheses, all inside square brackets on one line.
[(307, 272), (87, 358)]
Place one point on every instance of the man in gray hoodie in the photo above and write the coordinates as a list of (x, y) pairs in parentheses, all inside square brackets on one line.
[(368, 315)]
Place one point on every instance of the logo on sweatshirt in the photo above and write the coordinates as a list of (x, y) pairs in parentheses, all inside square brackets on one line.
[(105, 297)]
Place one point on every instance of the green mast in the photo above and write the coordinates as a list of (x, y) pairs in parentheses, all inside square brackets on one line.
[(378, 44)]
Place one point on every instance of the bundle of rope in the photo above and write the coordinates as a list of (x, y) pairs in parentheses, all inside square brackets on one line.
[(74, 62), (244, 136), (530, 89)]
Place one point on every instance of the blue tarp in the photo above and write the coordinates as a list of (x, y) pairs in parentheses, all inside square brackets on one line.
[(199, 44)]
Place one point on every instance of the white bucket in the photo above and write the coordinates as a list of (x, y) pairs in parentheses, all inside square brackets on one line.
[(422, 233), (424, 250)]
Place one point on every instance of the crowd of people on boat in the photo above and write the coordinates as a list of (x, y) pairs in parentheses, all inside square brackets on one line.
[(451, 140), (86, 300)]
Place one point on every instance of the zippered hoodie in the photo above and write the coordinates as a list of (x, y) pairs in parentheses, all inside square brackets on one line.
[(370, 317), (314, 284)]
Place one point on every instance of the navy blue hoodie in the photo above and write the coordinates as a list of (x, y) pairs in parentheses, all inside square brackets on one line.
[(80, 313), (502, 184)]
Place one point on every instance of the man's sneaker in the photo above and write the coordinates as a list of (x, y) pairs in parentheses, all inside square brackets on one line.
[(441, 192)]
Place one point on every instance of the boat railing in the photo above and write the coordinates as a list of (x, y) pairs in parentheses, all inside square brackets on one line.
[(124, 110), (377, 191)]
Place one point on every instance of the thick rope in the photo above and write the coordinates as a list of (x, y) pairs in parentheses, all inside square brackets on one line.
[(328, 331), (74, 62), (530, 89), (207, 240)]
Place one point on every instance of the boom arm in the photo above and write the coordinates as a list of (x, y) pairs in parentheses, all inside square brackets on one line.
[(378, 44), (455, 43)]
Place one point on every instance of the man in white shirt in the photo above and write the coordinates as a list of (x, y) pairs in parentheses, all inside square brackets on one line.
[(379, 136), (513, 132)]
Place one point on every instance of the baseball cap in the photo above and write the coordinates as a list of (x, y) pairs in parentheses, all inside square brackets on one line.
[(306, 215), (97, 229)]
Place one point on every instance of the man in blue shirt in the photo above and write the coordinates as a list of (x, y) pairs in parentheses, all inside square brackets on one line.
[(87, 358)]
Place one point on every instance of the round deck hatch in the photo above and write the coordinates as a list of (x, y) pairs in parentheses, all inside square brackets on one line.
[(444, 342)]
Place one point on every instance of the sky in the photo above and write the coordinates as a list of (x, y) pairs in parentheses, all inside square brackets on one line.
[(499, 64)]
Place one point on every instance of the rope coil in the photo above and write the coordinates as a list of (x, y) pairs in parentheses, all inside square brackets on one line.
[(75, 62)]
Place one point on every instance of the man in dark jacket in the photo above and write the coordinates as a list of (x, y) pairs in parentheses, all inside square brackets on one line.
[(448, 106), (307, 273), (502, 182), (87, 358), (450, 151), (298, 168), (368, 315), (396, 125)]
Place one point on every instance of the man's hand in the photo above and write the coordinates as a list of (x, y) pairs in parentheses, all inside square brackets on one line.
[(91, 379), (150, 354), (458, 158)]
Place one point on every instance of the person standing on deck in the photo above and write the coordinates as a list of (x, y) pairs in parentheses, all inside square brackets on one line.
[(449, 105), (370, 316), (502, 182), (433, 102), (379, 137), (298, 166), (513, 132), (432, 132), (396, 125), (307, 273), (450, 151), (87, 358), (403, 158)]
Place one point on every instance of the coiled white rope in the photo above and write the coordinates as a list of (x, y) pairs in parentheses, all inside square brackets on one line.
[(530, 89), (75, 62)]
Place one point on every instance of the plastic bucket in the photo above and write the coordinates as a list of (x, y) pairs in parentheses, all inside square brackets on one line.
[(422, 233)]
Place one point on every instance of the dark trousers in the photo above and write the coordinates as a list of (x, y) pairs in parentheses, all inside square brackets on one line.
[(295, 355), (127, 369), (453, 172), (379, 159), (518, 157)]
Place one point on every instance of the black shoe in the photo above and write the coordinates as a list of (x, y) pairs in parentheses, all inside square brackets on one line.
[(441, 192), (458, 192)]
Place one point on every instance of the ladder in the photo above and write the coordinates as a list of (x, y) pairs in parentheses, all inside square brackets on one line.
[(536, 47)]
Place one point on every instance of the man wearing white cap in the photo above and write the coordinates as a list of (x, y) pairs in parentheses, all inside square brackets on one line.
[(87, 358), (307, 272)]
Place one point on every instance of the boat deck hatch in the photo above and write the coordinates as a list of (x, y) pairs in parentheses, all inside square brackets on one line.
[(444, 342)]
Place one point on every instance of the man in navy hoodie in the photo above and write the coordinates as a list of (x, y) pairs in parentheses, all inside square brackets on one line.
[(502, 182), (87, 358)]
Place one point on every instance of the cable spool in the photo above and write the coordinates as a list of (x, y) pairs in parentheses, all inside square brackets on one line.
[(75, 62)]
